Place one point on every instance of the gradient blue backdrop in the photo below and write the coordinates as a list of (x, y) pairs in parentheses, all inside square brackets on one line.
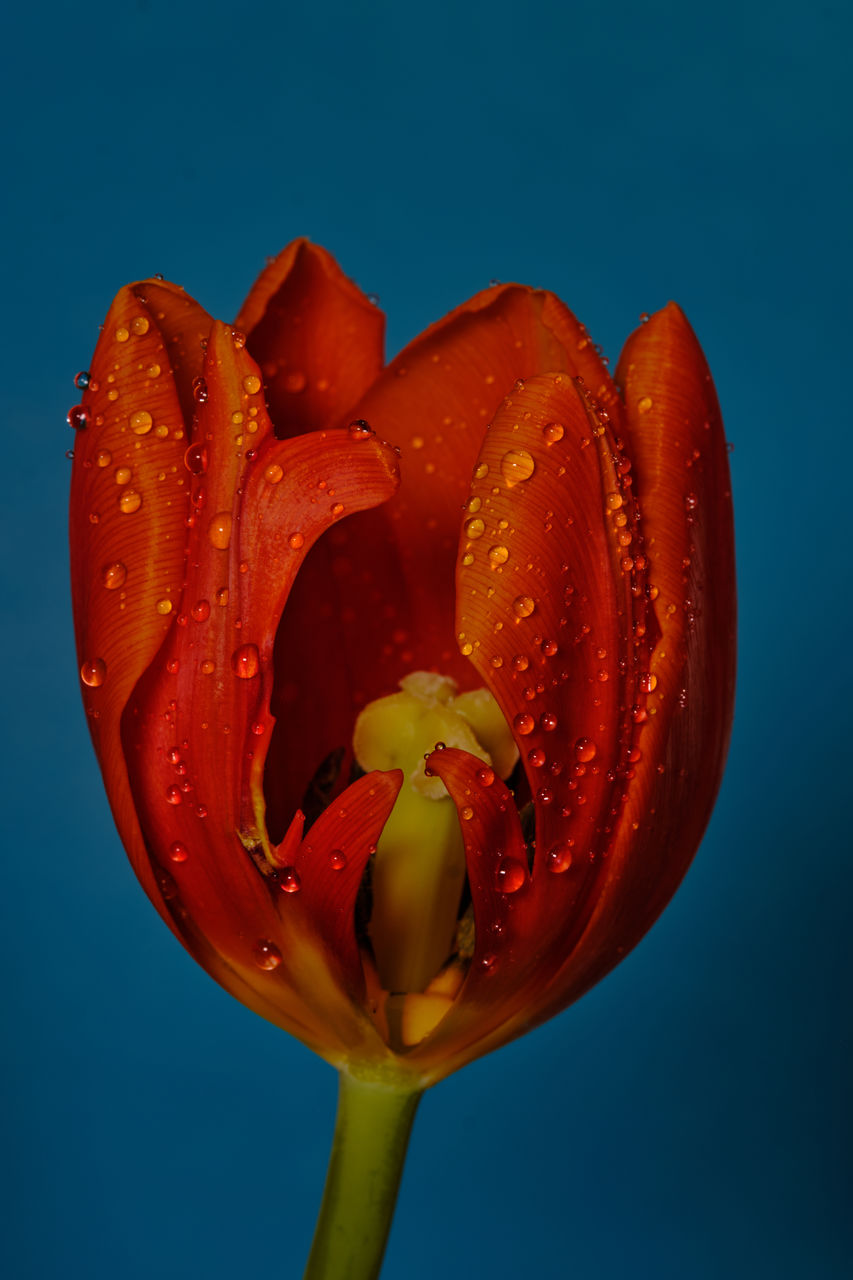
[(687, 1119)]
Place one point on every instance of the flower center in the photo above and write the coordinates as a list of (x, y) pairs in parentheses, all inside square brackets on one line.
[(419, 868)]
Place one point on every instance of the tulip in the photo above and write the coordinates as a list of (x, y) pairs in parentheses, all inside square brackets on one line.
[(275, 627)]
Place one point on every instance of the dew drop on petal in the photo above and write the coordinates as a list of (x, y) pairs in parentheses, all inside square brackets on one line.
[(337, 859), (585, 750), (644, 404), (559, 857), (173, 794), (523, 606), (130, 501), (141, 422), (113, 575), (524, 723), (77, 417), (510, 875), (295, 540), (93, 672), (251, 384), (474, 528), (517, 465), (553, 431), (219, 530), (485, 776), (246, 661), (289, 880), (178, 852), (498, 555), (195, 459), (81, 381), (267, 955), (273, 473)]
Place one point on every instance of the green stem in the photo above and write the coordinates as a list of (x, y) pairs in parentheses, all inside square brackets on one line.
[(372, 1131)]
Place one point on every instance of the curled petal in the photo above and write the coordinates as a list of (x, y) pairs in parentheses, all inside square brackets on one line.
[(316, 337), (681, 474), (129, 500)]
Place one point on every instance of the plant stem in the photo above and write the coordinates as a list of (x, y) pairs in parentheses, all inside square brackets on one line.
[(372, 1131)]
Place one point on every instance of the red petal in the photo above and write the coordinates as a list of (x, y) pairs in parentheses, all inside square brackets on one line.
[(128, 506), (197, 729), (317, 338), (330, 864), (375, 600), (682, 480)]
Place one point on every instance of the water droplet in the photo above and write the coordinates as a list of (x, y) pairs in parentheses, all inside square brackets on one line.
[(178, 852), (77, 417), (141, 422), (201, 610), (153, 371), (510, 876), (222, 595), (123, 475), (104, 458), (648, 682), (273, 473), (474, 528), (691, 502), (81, 381), (337, 859), (200, 392), (466, 813), (113, 575), (288, 880), (585, 750), (164, 607), (173, 794), (613, 501), (93, 672), (130, 501), (524, 723), (481, 471), (548, 721), (219, 530), (359, 429), (523, 606), (485, 776), (644, 404), (553, 431), (498, 555), (195, 459), (251, 384), (296, 540), (246, 661), (516, 466), (122, 334), (267, 955), (559, 857)]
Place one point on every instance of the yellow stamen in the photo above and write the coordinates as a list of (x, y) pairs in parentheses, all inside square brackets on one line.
[(419, 869)]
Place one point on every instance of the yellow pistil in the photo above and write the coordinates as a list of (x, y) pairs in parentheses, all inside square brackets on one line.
[(419, 870)]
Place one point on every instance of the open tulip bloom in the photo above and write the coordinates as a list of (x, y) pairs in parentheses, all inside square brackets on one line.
[(409, 743)]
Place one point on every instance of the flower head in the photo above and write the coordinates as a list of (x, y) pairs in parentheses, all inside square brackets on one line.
[(279, 615)]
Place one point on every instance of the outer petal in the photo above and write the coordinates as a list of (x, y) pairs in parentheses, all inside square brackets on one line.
[(317, 338), (197, 725), (129, 500), (364, 618), (681, 471)]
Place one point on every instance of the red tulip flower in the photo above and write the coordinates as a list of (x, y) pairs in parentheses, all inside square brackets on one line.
[(279, 615)]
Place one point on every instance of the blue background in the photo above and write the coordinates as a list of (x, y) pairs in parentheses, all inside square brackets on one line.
[(688, 1117)]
